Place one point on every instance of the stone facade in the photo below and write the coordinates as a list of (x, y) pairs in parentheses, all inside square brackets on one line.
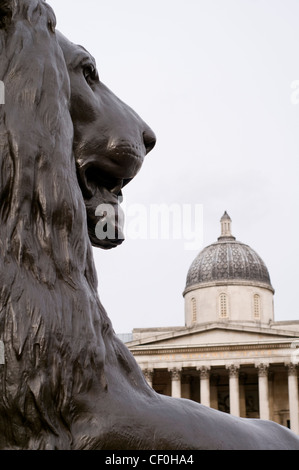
[(254, 378), (250, 302)]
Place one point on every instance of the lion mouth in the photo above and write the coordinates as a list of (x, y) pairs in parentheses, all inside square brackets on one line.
[(102, 196), (101, 181)]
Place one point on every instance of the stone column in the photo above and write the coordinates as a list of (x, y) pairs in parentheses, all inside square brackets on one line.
[(293, 397), (148, 374), (242, 382), (234, 394), (175, 383), (263, 391), (204, 385)]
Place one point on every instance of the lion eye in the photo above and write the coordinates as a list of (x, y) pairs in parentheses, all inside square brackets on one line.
[(90, 74)]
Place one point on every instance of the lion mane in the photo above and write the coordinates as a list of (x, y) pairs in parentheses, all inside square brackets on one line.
[(68, 382), (51, 321)]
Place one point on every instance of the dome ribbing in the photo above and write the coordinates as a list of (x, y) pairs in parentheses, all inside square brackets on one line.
[(228, 260)]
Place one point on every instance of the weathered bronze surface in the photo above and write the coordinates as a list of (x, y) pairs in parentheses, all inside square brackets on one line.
[(67, 145)]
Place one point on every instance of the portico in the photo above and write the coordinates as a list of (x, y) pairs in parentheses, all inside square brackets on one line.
[(253, 379), (259, 388)]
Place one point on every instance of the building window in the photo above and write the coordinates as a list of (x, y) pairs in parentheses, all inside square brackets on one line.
[(194, 310), (223, 307), (256, 306)]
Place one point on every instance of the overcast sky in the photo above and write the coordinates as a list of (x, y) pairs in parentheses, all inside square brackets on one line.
[(216, 80)]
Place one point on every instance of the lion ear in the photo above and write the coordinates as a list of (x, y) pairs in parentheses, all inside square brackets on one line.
[(6, 9)]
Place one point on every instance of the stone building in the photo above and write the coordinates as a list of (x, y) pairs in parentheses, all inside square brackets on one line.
[(230, 355)]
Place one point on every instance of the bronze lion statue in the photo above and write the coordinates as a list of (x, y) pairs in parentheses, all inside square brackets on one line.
[(67, 145)]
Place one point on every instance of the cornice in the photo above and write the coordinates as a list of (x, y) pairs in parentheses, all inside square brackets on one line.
[(142, 350), (147, 342), (229, 282)]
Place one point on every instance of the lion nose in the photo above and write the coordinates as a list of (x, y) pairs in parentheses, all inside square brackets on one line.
[(149, 140)]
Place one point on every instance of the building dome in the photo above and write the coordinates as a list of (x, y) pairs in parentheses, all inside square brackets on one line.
[(227, 260), (228, 281)]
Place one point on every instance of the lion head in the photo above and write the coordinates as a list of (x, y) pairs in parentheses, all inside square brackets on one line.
[(110, 143)]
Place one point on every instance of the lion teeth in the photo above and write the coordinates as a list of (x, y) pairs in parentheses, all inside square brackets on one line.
[(117, 188)]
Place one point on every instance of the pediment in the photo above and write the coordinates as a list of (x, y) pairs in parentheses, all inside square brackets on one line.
[(214, 333)]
